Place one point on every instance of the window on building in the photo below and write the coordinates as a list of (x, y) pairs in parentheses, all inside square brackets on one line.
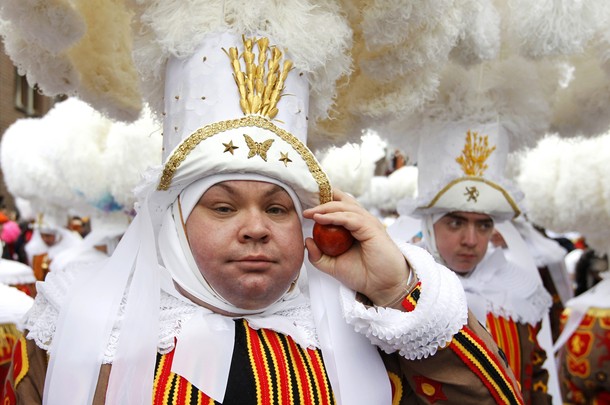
[(27, 99)]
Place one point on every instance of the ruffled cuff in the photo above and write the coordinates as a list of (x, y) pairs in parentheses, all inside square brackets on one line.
[(440, 313)]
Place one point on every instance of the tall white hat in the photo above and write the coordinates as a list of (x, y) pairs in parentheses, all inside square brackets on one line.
[(224, 115), (461, 168)]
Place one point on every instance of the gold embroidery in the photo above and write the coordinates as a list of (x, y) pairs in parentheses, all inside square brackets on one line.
[(258, 148), (594, 312), (259, 90), (229, 147), (180, 154), (539, 386), (285, 158), (428, 389), (472, 193), (576, 344), (475, 153), (479, 180)]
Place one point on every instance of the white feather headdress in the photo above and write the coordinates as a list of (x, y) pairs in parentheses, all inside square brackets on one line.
[(566, 187), (351, 166)]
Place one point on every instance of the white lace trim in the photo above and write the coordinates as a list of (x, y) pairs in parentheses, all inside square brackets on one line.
[(531, 309), (507, 290), (302, 317), (42, 318), (440, 312)]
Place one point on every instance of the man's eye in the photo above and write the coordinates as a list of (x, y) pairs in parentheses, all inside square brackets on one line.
[(276, 210), (486, 226), (222, 209)]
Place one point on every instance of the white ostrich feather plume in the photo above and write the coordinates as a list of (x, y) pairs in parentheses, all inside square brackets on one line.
[(176, 27), (130, 150), (53, 25), (62, 59), (403, 184), (28, 167), (583, 106), (479, 39), (376, 197), (53, 74), (24, 207), (513, 91), (101, 160), (556, 27), (79, 134), (566, 186), (351, 166)]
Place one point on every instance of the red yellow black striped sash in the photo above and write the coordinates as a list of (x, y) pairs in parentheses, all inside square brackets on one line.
[(474, 353), (506, 334)]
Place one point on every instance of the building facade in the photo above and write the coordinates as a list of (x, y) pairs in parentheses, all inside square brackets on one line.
[(17, 100)]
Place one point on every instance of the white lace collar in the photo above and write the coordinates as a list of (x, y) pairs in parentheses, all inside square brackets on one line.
[(40, 321), (499, 287)]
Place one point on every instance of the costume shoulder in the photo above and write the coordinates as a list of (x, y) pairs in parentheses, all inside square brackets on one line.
[(470, 370), (41, 321)]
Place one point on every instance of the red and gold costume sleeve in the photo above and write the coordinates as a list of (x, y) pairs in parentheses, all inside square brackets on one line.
[(585, 360), (24, 384), (524, 355), (471, 369), (410, 301)]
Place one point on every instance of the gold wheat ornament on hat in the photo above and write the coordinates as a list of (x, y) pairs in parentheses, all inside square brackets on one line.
[(260, 89), (472, 161), (475, 153)]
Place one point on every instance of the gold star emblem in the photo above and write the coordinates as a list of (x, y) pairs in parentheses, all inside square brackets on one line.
[(229, 147), (284, 158), (472, 193), (258, 148)]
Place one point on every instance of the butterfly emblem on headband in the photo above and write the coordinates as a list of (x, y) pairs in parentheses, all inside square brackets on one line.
[(258, 148)]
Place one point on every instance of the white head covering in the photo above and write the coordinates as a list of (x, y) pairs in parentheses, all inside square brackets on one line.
[(427, 229), (178, 258)]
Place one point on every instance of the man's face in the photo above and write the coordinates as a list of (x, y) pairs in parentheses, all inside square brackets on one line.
[(48, 238), (462, 239), (247, 241)]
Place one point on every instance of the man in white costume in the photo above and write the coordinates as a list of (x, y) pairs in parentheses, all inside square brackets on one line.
[(462, 195), (210, 297)]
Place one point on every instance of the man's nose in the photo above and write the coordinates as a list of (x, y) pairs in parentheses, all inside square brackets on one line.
[(255, 227), (470, 237)]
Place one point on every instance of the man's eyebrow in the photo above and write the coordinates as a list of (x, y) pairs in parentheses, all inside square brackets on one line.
[(455, 216), (224, 186), (230, 189), (274, 190)]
